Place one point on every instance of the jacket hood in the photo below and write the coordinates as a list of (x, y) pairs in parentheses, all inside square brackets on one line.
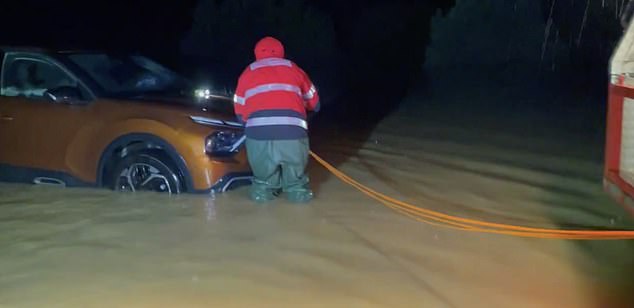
[(269, 47)]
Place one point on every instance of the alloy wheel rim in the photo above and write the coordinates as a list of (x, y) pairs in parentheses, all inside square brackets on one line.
[(143, 177)]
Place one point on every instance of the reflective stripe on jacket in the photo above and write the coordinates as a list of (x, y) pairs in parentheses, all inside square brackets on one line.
[(272, 97)]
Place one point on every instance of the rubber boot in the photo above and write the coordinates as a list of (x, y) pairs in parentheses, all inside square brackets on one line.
[(294, 178), (259, 195), (279, 164), (300, 196)]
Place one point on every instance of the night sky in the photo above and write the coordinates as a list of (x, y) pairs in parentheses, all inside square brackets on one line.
[(133, 25)]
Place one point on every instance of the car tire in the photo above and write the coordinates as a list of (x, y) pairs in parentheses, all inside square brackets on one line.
[(146, 171)]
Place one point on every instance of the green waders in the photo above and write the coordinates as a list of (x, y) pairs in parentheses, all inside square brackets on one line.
[(279, 165)]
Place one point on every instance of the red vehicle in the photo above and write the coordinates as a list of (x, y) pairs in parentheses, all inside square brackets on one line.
[(618, 178)]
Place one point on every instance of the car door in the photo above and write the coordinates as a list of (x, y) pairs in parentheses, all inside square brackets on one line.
[(36, 131)]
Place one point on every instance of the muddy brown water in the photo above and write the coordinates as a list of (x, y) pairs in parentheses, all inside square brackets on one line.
[(95, 248)]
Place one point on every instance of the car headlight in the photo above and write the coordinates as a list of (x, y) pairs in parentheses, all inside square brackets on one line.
[(224, 143), (202, 93)]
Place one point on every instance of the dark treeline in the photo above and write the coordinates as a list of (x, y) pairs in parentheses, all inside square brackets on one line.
[(362, 54)]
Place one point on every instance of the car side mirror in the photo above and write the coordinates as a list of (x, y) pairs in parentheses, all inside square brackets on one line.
[(64, 94)]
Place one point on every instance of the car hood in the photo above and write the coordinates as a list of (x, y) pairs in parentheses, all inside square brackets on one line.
[(218, 104), (214, 112)]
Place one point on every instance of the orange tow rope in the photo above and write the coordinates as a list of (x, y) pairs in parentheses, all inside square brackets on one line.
[(472, 225)]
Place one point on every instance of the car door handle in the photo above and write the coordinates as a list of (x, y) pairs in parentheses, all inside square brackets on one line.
[(6, 118)]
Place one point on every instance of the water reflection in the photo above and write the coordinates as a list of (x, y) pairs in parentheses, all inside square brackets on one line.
[(210, 208)]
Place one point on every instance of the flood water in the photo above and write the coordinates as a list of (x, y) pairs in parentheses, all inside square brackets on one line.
[(95, 248)]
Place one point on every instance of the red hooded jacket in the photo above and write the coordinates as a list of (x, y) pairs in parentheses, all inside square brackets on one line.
[(273, 95)]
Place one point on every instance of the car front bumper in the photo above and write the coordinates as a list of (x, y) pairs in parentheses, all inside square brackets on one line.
[(228, 182)]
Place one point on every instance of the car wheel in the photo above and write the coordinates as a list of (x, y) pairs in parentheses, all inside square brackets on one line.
[(146, 171)]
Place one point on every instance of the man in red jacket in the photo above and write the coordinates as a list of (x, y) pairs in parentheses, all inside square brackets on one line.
[(272, 99)]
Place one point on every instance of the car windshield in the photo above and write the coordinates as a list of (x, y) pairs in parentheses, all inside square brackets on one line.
[(130, 75)]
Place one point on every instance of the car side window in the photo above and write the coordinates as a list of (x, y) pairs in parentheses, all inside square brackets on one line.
[(31, 78)]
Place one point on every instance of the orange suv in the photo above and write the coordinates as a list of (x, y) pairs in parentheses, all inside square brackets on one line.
[(97, 119)]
